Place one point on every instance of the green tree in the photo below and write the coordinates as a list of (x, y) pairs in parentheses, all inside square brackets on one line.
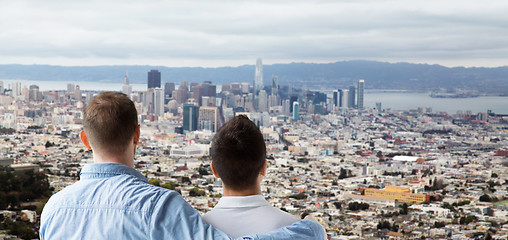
[(404, 209), (155, 182), (485, 198), (195, 192), (170, 185)]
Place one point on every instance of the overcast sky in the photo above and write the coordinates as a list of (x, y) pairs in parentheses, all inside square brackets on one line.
[(231, 33)]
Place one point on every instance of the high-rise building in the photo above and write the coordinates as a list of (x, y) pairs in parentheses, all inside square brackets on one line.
[(197, 93), (236, 88), (207, 101), (126, 88), (208, 118), (154, 79), (340, 98), (158, 102), (77, 94), (292, 99), (190, 117), (262, 101), (229, 100), (345, 98), (245, 87), (148, 101), (351, 97), (226, 87), (319, 98), (359, 101), (286, 109), (296, 110), (209, 89), (25, 94), (275, 85), (182, 94), (335, 98), (1, 87), (70, 88), (258, 76), (34, 94), (169, 87), (16, 89), (273, 101), (378, 106)]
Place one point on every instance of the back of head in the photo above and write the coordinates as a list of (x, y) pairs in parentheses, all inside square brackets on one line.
[(110, 120), (238, 153)]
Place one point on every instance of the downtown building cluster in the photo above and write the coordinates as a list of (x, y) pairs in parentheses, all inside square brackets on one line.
[(363, 173)]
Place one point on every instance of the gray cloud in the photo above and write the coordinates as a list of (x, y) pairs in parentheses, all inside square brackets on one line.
[(216, 33)]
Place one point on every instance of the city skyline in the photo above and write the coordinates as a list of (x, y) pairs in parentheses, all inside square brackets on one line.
[(226, 33)]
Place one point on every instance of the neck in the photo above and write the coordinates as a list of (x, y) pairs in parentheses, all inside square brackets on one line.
[(123, 158), (227, 192)]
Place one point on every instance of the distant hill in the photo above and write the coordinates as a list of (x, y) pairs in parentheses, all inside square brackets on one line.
[(377, 75)]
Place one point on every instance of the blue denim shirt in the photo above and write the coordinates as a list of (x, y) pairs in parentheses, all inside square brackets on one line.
[(114, 201)]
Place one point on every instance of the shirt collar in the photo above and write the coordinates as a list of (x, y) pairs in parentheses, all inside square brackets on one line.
[(101, 170), (242, 201)]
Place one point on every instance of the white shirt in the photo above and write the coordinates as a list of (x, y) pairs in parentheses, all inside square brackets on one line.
[(240, 216)]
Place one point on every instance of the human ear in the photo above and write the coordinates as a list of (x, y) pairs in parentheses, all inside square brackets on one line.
[(84, 139), (214, 171), (263, 169), (137, 133)]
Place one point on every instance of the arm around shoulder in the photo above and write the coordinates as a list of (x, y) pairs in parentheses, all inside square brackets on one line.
[(304, 230)]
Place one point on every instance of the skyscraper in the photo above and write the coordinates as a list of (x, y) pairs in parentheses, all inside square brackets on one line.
[(126, 88), (208, 118), (258, 77), (154, 79), (77, 94), (275, 85), (351, 97), (197, 93), (158, 102), (292, 99), (16, 89), (296, 110), (286, 109), (340, 98), (335, 101), (345, 98), (34, 93), (262, 101), (169, 87), (359, 101), (190, 117), (209, 89)]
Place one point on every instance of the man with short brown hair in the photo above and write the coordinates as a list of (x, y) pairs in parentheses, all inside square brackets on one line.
[(239, 160), (114, 201)]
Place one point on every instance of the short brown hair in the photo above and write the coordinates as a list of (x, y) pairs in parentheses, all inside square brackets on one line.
[(238, 153), (110, 120)]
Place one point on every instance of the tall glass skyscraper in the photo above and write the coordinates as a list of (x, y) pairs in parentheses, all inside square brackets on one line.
[(154, 79), (190, 117), (258, 76), (351, 97), (359, 101), (296, 111)]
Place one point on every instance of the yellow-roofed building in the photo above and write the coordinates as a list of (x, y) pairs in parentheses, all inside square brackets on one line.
[(396, 193)]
